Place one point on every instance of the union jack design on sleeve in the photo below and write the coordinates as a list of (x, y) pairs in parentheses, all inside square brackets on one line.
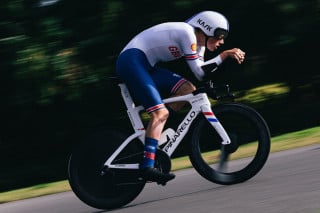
[(191, 56)]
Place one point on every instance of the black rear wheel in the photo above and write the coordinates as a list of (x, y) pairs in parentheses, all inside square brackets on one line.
[(238, 161), (101, 187)]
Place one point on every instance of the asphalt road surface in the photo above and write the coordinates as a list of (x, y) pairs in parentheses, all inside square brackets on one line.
[(289, 183)]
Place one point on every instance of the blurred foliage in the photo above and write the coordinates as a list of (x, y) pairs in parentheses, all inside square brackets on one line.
[(56, 60), (61, 48), (263, 93)]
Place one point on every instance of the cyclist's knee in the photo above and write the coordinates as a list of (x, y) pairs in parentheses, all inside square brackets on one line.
[(160, 115), (186, 88)]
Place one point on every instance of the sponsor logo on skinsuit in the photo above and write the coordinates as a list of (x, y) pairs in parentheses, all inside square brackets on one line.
[(193, 47), (174, 51)]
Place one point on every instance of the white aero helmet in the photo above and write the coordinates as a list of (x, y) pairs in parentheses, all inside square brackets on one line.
[(211, 23)]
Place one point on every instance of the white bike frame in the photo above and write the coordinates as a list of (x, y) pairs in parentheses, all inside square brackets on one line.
[(199, 103)]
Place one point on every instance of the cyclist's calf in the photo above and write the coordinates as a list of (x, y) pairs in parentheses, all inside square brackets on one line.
[(156, 123)]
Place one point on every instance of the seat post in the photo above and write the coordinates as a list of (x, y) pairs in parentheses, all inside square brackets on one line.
[(133, 111)]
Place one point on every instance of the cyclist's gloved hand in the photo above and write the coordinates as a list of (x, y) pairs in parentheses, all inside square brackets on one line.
[(209, 69)]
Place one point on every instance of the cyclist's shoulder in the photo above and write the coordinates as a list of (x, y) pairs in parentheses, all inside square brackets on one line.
[(172, 27)]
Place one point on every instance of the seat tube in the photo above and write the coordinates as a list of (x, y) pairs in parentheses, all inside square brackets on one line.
[(132, 111), (126, 96)]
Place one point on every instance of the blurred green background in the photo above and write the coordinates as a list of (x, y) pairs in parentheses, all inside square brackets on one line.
[(56, 60)]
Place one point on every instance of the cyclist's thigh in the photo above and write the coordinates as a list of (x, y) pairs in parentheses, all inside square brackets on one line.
[(167, 81), (133, 68)]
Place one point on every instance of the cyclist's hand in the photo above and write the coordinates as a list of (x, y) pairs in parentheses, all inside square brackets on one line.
[(234, 53)]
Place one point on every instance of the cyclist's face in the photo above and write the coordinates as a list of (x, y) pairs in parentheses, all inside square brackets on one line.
[(213, 43)]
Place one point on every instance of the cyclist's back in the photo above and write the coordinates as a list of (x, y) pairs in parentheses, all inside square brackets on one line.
[(164, 42)]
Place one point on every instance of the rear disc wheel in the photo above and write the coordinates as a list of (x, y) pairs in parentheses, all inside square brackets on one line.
[(98, 186)]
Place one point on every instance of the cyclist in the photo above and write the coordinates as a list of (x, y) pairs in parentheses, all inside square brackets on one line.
[(137, 67)]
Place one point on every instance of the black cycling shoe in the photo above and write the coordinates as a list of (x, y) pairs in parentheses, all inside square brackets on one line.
[(154, 175)]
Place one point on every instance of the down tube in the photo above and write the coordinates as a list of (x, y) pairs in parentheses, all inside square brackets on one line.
[(207, 112), (181, 131)]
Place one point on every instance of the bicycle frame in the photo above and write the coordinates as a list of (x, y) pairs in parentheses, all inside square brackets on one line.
[(199, 103)]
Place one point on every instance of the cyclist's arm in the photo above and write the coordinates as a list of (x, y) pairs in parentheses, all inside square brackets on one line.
[(194, 55), (202, 69)]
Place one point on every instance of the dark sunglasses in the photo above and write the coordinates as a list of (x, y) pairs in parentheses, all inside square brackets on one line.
[(220, 33)]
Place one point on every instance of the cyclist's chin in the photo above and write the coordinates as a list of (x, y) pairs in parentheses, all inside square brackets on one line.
[(212, 48)]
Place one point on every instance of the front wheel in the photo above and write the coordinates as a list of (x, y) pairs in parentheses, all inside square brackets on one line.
[(238, 161), (100, 187)]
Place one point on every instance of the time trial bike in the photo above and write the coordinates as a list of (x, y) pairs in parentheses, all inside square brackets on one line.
[(103, 171)]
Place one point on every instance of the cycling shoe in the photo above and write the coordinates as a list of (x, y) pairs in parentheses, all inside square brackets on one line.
[(154, 175)]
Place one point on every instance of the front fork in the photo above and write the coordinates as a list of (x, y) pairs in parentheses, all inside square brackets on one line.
[(207, 112)]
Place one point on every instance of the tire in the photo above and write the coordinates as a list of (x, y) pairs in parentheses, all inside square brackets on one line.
[(238, 161), (117, 187)]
